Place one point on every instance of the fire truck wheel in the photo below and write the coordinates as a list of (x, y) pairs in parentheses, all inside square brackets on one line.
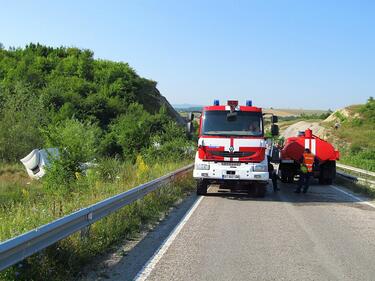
[(290, 179), (284, 178), (327, 173), (325, 181), (329, 181), (261, 190), (202, 187), (257, 190)]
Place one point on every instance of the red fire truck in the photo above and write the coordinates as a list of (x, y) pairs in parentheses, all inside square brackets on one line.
[(325, 153), (232, 147)]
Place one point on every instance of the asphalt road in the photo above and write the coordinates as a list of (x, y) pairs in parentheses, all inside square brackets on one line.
[(322, 235)]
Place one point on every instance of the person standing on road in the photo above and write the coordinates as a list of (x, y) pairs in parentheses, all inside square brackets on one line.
[(307, 163), (273, 176)]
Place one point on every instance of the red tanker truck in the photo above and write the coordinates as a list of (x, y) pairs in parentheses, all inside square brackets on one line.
[(292, 152)]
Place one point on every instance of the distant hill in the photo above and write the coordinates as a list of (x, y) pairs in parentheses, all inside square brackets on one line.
[(187, 107), (294, 112), (279, 112)]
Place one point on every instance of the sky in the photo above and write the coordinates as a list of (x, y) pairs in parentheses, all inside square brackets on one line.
[(281, 54)]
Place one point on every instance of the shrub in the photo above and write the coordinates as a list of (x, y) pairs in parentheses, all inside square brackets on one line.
[(108, 169), (129, 133), (77, 143)]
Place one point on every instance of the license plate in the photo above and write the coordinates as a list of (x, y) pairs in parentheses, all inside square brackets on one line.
[(231, 163), (231, 176)]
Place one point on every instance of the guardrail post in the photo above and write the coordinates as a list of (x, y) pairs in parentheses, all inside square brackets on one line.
[(85, 232)]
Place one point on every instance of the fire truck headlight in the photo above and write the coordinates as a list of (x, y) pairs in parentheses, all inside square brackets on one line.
[(260, 168), (202, 166)]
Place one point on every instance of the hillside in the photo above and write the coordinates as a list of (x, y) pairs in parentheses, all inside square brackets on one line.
[(292, 130), (355, 134), (42, 87)]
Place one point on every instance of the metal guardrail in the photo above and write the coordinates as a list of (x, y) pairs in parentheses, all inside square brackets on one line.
[(353, 169), (18, 248), (355, 179)]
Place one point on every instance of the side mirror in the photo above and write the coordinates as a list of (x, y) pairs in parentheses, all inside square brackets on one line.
[(274, 130), (190, 116), (274, 119)]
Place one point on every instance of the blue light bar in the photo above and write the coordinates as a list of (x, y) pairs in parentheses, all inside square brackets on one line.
[(249, 103), (216, 102)]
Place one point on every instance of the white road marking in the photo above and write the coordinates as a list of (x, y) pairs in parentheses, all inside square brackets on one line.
[(357, 199), (145, 272)]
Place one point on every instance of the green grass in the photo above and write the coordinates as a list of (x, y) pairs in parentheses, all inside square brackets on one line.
[(358, 161), (29, 207), (16, 186)]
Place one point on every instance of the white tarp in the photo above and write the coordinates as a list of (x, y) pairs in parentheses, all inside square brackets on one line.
[(37, 160)]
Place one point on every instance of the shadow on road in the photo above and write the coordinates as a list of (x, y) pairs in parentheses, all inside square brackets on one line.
[(317, 194)]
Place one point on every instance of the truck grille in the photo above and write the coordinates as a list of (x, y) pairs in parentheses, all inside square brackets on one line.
[(236, 154)]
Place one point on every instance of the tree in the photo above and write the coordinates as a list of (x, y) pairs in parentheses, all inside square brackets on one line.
[(21, 116)]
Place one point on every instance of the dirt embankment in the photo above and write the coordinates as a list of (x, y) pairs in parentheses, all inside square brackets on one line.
[(320, 128), (293, 129), (337, 115)]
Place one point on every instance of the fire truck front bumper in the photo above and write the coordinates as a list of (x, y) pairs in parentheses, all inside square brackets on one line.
[(231, 171)]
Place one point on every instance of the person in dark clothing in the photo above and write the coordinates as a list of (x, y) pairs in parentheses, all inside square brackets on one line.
[(307, 162), (273, 176), (304, 181)]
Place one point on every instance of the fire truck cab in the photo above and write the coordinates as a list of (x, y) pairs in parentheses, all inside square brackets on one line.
[(232, 147)]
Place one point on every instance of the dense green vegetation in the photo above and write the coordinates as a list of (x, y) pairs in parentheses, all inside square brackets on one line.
[(355, 137), (92, 111), (43, 87)]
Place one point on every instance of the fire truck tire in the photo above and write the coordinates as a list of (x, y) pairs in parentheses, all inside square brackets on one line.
[(284, 178), (287, 172), (257, 190), (261, 190), (202, 187), (290, 179), (329, 181), (327, 173)]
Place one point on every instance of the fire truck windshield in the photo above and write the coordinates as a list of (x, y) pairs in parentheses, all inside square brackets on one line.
[(245, 123)]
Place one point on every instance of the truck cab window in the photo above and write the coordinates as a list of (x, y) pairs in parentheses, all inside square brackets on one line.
[(245, 124)]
